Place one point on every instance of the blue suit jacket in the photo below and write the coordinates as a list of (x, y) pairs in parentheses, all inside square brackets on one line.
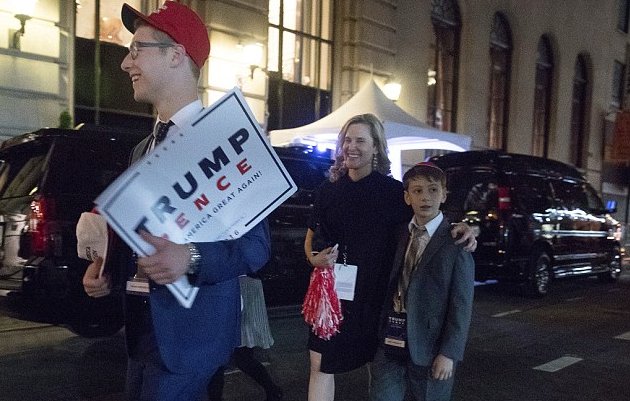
[(439, 298), (203, 337)]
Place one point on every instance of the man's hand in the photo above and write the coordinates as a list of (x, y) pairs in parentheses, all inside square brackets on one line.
[(94, 285), (168, 263), (467, 236), (442, 368)]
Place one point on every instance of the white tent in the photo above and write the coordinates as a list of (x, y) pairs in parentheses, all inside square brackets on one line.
[(402, 130)]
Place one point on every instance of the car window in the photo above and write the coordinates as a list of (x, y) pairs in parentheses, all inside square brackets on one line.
[(593, 199), (86, 167), (471, 190), (570, 195), (306, 174), (531, 194), (21, 170)]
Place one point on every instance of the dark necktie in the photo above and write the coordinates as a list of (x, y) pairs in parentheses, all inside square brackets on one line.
[(161, 129), (417, 242)]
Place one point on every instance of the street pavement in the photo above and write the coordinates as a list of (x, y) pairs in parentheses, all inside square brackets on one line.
[(511, 336), (504, 349), (513, 340)]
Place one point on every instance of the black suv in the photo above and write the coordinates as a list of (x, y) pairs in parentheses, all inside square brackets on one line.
[(47, 178), (286, 276), (537, 219)]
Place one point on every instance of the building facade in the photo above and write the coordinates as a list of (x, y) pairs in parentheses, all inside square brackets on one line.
[(543, 77), (36, 64)]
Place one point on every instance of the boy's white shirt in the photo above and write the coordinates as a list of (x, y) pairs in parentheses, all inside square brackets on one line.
[(431, 226)]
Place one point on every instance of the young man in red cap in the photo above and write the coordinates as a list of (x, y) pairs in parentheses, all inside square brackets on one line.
[(173, 351)]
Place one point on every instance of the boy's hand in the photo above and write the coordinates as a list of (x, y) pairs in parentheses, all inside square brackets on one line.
[(442, 368), (467, 236)]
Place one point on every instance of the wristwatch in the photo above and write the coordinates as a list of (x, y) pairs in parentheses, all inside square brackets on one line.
[(195, 259)]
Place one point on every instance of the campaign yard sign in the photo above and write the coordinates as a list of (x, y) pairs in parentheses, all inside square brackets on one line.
[(213, 180)]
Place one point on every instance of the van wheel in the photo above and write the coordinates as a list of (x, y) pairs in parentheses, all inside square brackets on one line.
[(93, 330), (539, 274), (615, 270), (95, 317)]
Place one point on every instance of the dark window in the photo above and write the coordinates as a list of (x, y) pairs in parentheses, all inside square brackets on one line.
[(21, 171), (482, 196), (619, 71), (302, 104), (92, 165), (306, 174), (570, 195), (471, 191), (443, 76), (622, 15), (500, 69), (592, 198), (117, 106), (542, 98), (299, 62), (531, 194), (578, 113)]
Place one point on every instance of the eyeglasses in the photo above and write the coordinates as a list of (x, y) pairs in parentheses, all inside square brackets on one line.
[(134, 46)]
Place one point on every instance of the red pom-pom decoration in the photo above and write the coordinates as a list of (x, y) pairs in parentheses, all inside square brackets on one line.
[(321, 307)]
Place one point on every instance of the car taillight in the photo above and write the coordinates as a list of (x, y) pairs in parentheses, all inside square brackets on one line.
[(40, 225), (505, 200)]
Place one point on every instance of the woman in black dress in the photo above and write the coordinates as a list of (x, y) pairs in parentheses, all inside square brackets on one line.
[(358, 209)]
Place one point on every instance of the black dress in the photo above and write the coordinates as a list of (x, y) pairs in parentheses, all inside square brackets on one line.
[(361, 217)]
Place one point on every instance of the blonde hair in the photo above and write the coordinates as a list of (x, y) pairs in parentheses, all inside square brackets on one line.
[(380, 163)]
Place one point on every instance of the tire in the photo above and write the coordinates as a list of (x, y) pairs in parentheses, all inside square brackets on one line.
[(95, 317), (539, 274), (613, 274), (104, 328)]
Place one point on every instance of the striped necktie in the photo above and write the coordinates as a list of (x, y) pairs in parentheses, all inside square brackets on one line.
[(161, 129), (417, 243)]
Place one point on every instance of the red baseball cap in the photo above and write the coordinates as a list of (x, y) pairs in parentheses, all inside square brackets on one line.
[(179, 22)]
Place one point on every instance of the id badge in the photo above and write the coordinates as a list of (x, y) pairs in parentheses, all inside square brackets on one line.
[(138, 286), (396, 330), (345, 281)]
